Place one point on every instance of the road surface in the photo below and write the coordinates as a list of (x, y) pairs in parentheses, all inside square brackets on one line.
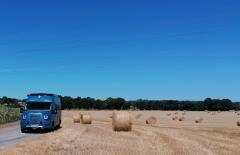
[(12, 135)]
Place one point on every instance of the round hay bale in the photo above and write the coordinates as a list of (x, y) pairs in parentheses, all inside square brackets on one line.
[(238, 113), (238, 122), (181, 119), (175, 118), (76, 118), (151, 120), (138, 116), (121, 121), (169, 114), (86, 119), (199, 120), (132, 108)]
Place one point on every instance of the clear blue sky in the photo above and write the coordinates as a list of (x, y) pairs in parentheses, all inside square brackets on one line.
[(131, 49)]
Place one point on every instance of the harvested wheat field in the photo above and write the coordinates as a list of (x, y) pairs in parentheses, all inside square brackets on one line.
[(216, 135)]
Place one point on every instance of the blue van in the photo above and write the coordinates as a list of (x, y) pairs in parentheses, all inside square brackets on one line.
[(42, 111)]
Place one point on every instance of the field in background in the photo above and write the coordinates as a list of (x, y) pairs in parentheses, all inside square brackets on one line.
[(216, 134), (9, 114)]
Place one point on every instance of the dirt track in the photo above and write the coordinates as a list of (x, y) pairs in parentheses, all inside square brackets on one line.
[(217, 134)]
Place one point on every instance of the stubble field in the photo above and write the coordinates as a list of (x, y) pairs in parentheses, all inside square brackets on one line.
[(216, 134)]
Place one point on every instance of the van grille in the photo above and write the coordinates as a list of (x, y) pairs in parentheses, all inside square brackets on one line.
[(35, 119)]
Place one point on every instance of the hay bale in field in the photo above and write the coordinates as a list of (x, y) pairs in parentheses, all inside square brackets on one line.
[(175, 118), (238, 113), (86, 119), (176, 113), (121, 121), (77, 118), (138, 116), (132, 108), (199, 120), (181, 119), (151, 120), (238, 122), (169, 114), (213, 113)]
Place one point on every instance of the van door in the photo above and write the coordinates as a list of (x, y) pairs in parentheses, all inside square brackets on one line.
[(54, 115)]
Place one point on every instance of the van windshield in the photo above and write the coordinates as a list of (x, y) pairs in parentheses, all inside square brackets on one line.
[(38, 105)]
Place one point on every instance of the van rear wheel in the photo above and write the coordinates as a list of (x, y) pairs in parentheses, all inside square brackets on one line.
[(58, 126), (53, 126)]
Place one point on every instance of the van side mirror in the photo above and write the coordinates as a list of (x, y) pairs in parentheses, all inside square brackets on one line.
[(21, 110), (54, 111)]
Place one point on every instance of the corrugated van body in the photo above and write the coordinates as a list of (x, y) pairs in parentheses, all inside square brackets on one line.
[(42, 111)]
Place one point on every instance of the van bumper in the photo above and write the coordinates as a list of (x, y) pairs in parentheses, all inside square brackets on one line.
[(44, 125), (34, 127)]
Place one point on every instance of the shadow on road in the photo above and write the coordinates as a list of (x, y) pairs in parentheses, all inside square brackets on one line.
[(41, 131)]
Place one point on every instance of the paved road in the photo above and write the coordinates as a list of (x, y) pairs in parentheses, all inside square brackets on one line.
[(12, 135)]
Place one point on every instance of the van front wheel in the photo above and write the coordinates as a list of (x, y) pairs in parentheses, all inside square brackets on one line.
[(23, 130)]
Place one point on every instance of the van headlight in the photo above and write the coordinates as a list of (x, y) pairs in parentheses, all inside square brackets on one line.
[(24, 117), (45, 117)]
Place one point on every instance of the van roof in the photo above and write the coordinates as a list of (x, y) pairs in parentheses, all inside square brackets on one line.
[(41, 94)]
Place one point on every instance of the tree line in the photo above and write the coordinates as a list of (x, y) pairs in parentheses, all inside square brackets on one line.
[(141, 104), (10, 102), (120, 103)]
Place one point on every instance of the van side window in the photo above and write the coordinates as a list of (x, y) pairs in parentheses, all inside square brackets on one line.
[(53, 107)]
